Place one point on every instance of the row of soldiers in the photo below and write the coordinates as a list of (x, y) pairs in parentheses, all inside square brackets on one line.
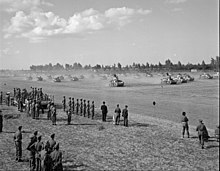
[(78, 107), (46, 157)]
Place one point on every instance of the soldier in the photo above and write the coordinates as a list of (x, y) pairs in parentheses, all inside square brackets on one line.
[(51, 143), (125, 115), (77, 106), (88, 108), (39, 147), (7, 98), (18, 144), (70, 105), (104, 112), (1, 97), (14, 92), (185, 125), (201, 128), (117, 115), (81, 107), (84, 108), (68, 112), (33, 109), (49, 110), (37, 107), (32, 149), (1, 121), (64, 103), (73, 106), (53, 114), (93, 109), (46, 161), (56, 157)]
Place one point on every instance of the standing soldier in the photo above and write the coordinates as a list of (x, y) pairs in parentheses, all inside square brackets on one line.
[(88, 109), (14, 92), (77, 106), (39, 147), (56, 157), (32, 149), (37, 107), (104, 112), (1, 97), (53, 114), (64, 103), (1, 121), (49, 110), (81, 107), (202, 132), (18, 144), (46, 162), (51, 143), (125, 115), (184, 121), (68, 112), (73, 106), (34, 109), (70, 105), (117, 115), (84, 108), (93, 109)]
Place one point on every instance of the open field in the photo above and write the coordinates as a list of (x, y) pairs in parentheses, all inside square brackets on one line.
[(152, 140)]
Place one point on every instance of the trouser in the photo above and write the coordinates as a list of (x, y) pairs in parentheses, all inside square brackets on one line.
[(186, 128), (32, 161), (18, 146), (48, 115), (117, 119), (88, 113), (201, 139), (1, 126), (38, 164), (126, 122), (93, 114), (68, 119), (104, 116), (84, 113)]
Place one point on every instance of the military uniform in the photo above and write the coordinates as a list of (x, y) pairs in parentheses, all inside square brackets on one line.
[(93, 109), (56, 157), (1, 97), (64, 103), (77, 106), (73, 106), (201, 128), (185, 125), (84, 108), (53, 115), (51, 143), (88, 109), (39, 148), (104, 112), (81, 106), (32, 151), (125, 115), (18, 143), (117, 115)]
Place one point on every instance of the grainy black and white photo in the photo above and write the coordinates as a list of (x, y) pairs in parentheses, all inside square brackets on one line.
[(109, 85)]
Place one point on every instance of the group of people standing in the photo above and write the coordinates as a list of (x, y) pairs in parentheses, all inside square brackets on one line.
[(79, 107), (42, 157), (201, 129)]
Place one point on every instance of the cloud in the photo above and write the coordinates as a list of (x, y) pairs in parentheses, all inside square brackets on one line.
[(29, 5), (38, 25), (175, 1), (177, 9)]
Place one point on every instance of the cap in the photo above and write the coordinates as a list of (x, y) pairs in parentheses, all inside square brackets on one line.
[(19, 127), (35, 132), (200, 120), (52, 135)]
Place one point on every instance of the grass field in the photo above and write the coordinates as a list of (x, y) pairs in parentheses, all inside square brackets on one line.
[(151, 142)]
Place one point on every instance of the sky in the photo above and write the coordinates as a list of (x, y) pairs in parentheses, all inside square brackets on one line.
[(105, 32)]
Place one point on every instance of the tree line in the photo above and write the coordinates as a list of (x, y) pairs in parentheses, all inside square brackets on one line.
[(167, 66)]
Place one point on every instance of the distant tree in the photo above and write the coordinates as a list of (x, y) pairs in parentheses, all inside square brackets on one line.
[(203, 65), (160, 66)]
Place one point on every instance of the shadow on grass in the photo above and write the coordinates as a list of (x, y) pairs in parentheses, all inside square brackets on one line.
[(212, 146), (141, 125), (73, 166), (77, 124)]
